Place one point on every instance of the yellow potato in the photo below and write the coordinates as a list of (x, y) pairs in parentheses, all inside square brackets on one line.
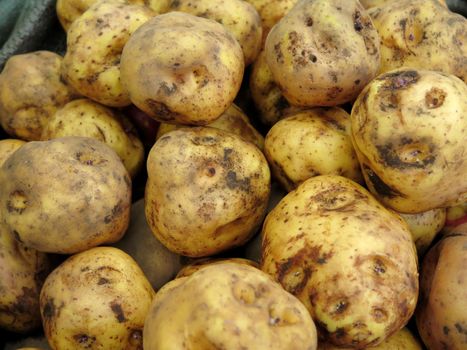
[(8, 147), (349, 260), (30, 92), (87, 118), (199, 264), (179, 68), (227, 306), (97, 299)]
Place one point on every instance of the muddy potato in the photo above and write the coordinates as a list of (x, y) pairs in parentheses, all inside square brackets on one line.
[(408, 129), (179, 68), (8, 147), (207, 190), (322, 53), (76, 188), (233, 120), (97, 299), (199, 264), (30, 92), (441, 317), (87, 118), (310, 143), (239, 17), (421, 34), (94, 45), (260, 314), (330, 231)]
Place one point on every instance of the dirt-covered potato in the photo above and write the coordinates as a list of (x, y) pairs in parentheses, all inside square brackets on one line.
[(323, 52), (64, 195), (207, 190), (424, 227), (238, 16), (94, 45), (97, 299), (310, 143), (184, 69), (350, 261), (158, 263), (22, 273), (408, 129), (30, 92), (228, 306), (8, 147), (199, 264), (441, 313), (233, 120), (87, 118), (421, 34)]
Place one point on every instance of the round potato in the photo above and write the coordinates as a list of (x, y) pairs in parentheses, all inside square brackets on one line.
[(30, 92), (350, 261), (228, 306), (97, 299), (323, 52), (207, 190), (87, 118), (310, 143), (94, 45), (179, 68), (64, 195), (199, 264), (408, 129), (8, 147)]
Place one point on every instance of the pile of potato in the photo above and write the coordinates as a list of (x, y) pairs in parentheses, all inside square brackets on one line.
[(307, 155)]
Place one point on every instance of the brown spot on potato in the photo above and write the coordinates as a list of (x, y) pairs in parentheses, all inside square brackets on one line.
[(244, 292), (434, 98), (379, 315), (49, 309), (17, 236), (136, 338), (407, 153), (162, 111), (341, 306), (102, 281), (309, 21), (17, 202), (357, 21), (118, 311), (399, 80), (115, 212), (84, 340), (379, 185), (446, 330), (233, 182), (379, 267), (279, 316), (460, 329), (334, 92), (166, 89)]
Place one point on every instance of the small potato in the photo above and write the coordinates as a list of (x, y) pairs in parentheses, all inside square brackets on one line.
[(8, 147), (310, 143), (233, 120), (349, 260), (199, 264), (408, 130), (94, 45), (65, 195), (323, 52), (238, 16), (97, 299), (87, 118), (30, 92), (207, 190), (228, 306), (179, 68)]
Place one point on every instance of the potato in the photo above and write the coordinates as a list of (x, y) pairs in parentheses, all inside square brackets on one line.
[(228, 306), (424, 227), (30, 92), (323, 52), (421, 34), (441, 317), (238, 16), (158, 263), (8, 147), (94, 45), (310, 143), (22, 273), (350, 261), (84, 117), (408, 129), (64, 195), (199, 264), (233, 120), (207, 190), (179, 68), (97, 299)]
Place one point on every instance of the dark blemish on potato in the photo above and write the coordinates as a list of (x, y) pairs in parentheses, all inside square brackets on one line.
[(279, 55), (341, 306), (357, 82), (313, 58), (227, 153), (101, 133), (118, 311), (84, 340), (175, 4), (211, 172), (407, 154), (379, 267), (389, 101), (166, 89), (161, 110), (334, 92), (49, 309), (17, 236), (460, 329), (102, 281), (309, 21), (109, 268), (340, 333), (233, 182), (136, 338), (92, 78), (116, 211), (434, 98), (446, 330), (17, 202), (357, 21), (281, 104), (399, 80), (379, 185), (333, 76)]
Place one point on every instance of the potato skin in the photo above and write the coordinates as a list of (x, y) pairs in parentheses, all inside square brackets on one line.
[(76, 187), (94, 45), (8, 147), (408, 129), (179, 68), (440, 315), (260, 314), (30, 92), (322, 53), (207, 190), (87, 118), (310, 143), (199, 264), (97, 299), (373, 3), (331, 230)]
